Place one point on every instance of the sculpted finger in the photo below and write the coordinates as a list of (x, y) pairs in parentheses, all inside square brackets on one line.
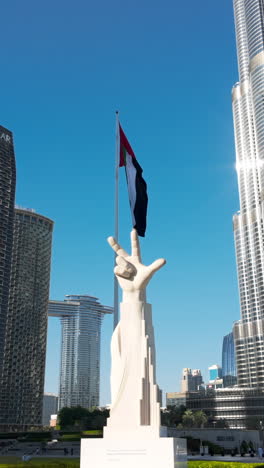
[(155, 266), (120, 271), (116, 247), (135, 246), (125, 265)]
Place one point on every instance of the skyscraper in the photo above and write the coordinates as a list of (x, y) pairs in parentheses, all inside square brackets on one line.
[(22, 380), (228, 361), (197, 379), (215, 372), (7, 200), (187, 384), (191, 380), (50, 406), (248, 112), (81, 317)]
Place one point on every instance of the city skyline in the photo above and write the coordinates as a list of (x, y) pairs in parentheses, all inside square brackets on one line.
[(174, 105)]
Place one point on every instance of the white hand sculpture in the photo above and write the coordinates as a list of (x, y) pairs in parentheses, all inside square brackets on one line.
[(132, 275)]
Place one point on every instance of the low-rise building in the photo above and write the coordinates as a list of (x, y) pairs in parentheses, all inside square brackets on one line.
[(235, 407), (176, 399), (229, 439)]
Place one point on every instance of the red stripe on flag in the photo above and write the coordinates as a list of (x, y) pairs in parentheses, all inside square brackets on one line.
[(124, 145)]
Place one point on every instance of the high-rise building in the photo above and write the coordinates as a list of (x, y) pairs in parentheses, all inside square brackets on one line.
[(22, 380), (215, 372), (228, 361), (7, 201), (191, 380), (187, 380), (197, 379), (248, 223), (81, 317), (50, 407)]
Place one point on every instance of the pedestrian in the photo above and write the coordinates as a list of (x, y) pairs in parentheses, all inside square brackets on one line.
[(260, 452), (72, 451)]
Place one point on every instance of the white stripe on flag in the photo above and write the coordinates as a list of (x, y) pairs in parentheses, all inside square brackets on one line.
[(131, 184)]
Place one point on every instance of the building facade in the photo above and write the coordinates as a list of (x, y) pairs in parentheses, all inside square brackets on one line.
[(50, 407), (81, 317), (229, 439), (228, 361), (236, 408), (248, 113), (7, 202), (187, 380), (215, 372), (197, 379), (191, 380), (175, 399), (22, 380)]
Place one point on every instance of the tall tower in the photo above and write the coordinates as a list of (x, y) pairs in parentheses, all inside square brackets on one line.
[(22, 382), (81, 317), (7, 200), (197, 379), (248, 112), (187, 383)]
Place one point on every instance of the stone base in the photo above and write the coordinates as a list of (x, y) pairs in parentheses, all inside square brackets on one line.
[(163, 452)]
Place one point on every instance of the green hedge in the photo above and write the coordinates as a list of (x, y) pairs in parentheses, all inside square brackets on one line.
[(218, 464), (10, 462), (27, 436)]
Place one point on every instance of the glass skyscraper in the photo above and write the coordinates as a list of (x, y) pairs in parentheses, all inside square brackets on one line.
[(248, 112), (22, 379), (81, 317), (7, 201), (228, 361), (215, 372)]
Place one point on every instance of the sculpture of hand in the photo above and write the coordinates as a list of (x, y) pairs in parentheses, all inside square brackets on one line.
[(132, 275)]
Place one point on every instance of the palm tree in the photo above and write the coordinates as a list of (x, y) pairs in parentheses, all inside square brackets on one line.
[(200, 418), (188, 419)]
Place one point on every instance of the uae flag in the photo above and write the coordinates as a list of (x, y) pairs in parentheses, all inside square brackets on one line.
[(137, 187)]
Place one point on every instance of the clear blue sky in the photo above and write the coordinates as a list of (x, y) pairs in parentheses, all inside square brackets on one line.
[(169, 67)]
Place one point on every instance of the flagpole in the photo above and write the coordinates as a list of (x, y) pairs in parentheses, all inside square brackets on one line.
[(117, 156)]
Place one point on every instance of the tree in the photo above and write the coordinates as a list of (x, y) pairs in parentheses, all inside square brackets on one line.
[(188, 419), (200, 418), (243, 447), (83, 418), (66, 417), (172, 416), (96, 418), (251, 446), (221, 424)]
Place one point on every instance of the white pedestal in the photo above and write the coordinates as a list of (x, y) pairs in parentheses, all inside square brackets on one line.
[(163, 452)]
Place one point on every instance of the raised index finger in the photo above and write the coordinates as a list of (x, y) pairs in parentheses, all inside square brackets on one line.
[(116, 247), (135, 246)]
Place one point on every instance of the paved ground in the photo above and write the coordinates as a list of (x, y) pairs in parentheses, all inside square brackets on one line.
[(59, 449)]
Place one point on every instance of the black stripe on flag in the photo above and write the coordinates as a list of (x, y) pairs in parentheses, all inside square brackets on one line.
[(141, 205)]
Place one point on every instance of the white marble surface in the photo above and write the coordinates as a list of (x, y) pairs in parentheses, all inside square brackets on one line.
[(164, 452)]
